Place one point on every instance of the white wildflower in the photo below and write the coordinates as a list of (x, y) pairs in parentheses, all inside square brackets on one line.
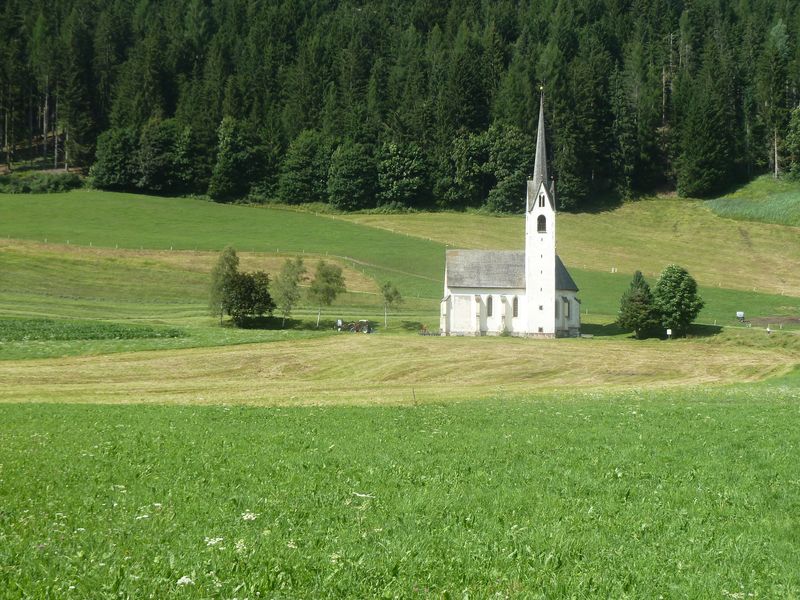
[(249, 516), (140, 517), (240, 547), (185, 580), (213, 541), (291, 544)]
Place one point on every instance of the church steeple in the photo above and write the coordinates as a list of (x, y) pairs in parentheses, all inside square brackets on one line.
[(540, 164)]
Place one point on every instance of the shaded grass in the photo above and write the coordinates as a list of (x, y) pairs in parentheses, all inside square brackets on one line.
[(637, 494)]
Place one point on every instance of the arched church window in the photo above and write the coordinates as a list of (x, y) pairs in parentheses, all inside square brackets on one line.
[(541, 224), (515, 307), (489, 306)]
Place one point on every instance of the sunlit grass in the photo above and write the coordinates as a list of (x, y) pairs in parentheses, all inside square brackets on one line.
[(765, 199), (380, 369), (633, 494)]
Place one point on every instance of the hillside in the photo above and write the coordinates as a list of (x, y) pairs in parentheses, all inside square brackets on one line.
[(165, 245), (408, 102)]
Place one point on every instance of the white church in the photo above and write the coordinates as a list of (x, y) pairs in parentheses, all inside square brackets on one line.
[(528, 293)]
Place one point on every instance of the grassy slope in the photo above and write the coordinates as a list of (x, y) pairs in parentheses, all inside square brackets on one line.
[(644, 235), (638, 494), (129, 221), (764, 200)]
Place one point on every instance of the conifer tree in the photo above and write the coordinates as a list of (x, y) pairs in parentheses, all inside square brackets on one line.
[(637, 309)]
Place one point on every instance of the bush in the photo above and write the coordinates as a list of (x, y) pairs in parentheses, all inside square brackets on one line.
[(39, 183), (115, 166), (247, 295)]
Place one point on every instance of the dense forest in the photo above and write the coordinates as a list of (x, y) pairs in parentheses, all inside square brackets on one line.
[(406, 103)]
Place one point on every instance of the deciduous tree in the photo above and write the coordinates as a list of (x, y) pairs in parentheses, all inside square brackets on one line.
[(391, 299), (286, 286), (326, 285), (222, 275), (676, 299)]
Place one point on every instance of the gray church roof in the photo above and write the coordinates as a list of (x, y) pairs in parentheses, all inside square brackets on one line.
[(496, 269), (540, 162)]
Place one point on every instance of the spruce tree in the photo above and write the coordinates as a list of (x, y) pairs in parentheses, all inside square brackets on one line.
[(637, 309), (304, 173)]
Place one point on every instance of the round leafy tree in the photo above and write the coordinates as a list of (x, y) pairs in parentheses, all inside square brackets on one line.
[(351, 177), (676, 299)]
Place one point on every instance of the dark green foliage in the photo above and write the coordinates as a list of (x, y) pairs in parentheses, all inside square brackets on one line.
[(676, 299), (304, 174), (637, 309), (116, 166), (247, 296), (402, 175), (159, 170), (508, 196), (31, 182), (240, 161), (793, 143), (708, 141), (638, 98), (352, 177)]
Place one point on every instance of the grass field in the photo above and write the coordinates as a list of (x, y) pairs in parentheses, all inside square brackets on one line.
[(145, 451), (685, 493), (376, 370), (765, 200)]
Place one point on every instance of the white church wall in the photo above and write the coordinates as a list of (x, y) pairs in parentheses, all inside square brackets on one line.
[(469, 315), (462, 318)]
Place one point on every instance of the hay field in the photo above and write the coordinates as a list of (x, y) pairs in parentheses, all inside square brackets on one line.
[(391, 369)]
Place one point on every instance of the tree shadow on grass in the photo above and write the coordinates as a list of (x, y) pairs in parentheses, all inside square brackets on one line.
[(703, 331), (276, 324), (411, 325), (602, 330)]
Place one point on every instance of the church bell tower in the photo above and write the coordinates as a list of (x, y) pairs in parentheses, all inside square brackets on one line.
[(540, 243)]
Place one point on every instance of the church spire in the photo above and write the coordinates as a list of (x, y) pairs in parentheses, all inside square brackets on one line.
[(540, 165)]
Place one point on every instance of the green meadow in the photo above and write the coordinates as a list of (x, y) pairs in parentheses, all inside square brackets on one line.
[(637, 494), (764, 200), (148, 451)]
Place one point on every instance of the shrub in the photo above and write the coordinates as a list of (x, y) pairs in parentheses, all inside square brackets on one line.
[(39, 183)]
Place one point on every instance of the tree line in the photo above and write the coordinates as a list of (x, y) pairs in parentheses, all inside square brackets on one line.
[(410, 103)]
